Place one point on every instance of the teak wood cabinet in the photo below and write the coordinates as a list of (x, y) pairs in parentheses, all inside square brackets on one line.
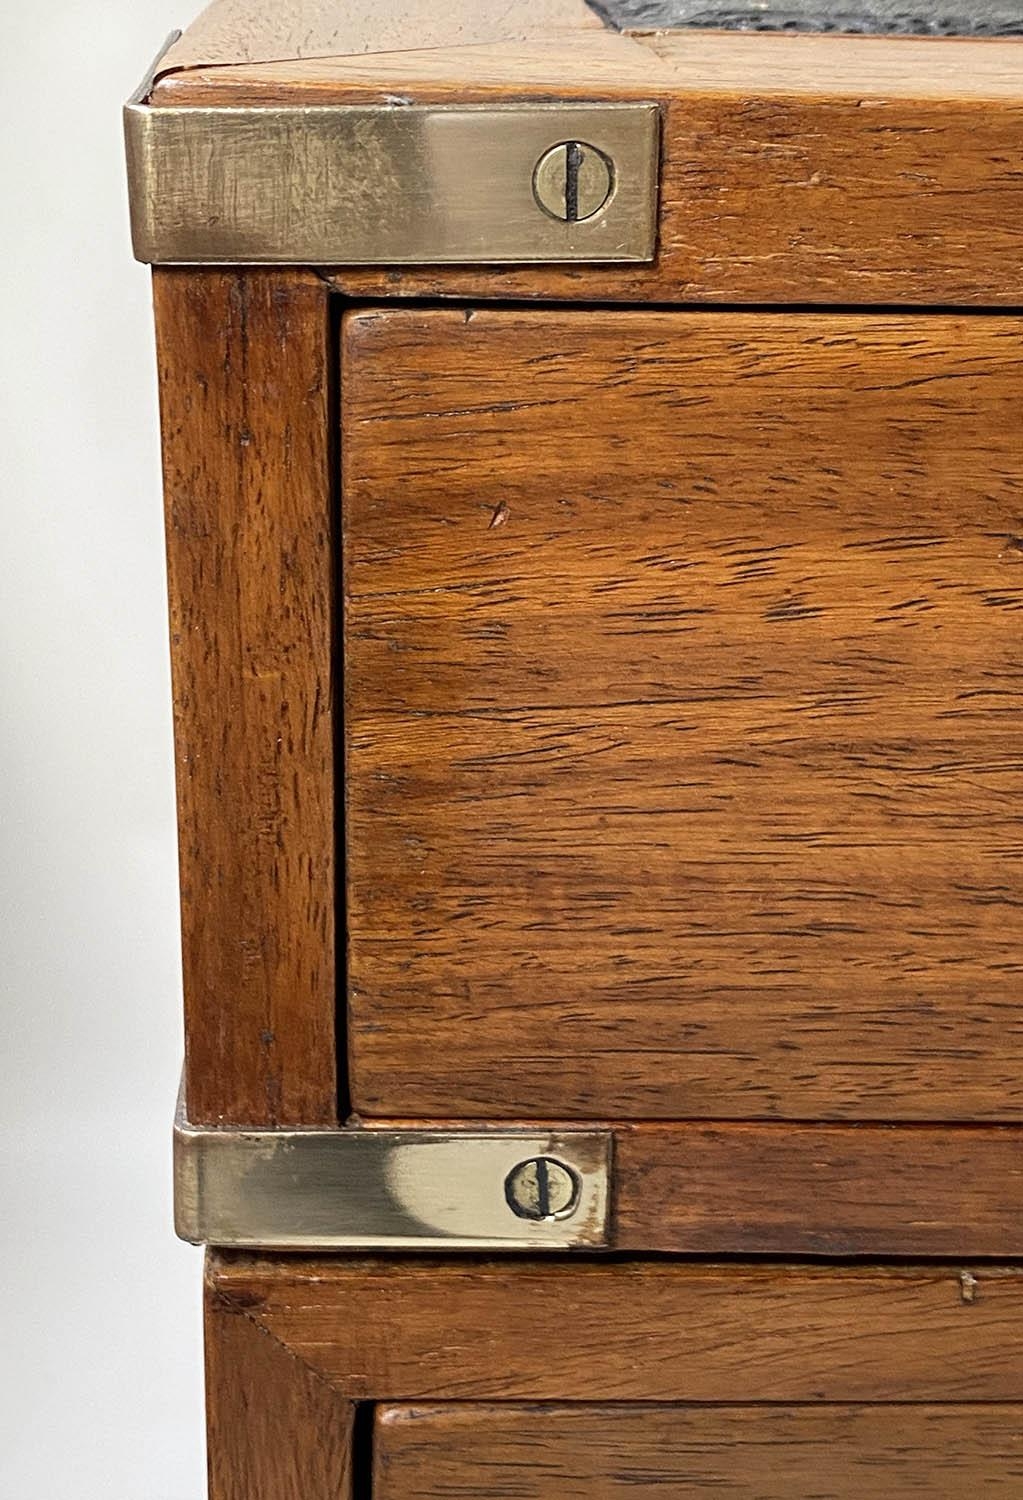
[(593, 447)]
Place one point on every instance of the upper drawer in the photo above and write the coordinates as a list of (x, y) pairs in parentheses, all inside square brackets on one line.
[(682, 686)]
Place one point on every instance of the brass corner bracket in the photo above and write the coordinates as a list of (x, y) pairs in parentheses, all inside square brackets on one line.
[(393, 185), (388, 1189)]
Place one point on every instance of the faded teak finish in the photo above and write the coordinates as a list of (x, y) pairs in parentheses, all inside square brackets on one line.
[(276, 1429), (690, 1453), (418, 1329), (682, 673), (795, 169), (842, 1190), (607, 711), (750, 949), (245, 381), (766, 1383)]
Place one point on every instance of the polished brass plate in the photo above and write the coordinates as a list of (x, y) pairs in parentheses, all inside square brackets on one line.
[(382, 185), (384, 1189)]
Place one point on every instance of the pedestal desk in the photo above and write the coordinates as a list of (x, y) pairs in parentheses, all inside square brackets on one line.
[(593, 450)]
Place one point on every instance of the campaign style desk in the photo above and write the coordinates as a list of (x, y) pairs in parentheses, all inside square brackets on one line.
[(594, 471)]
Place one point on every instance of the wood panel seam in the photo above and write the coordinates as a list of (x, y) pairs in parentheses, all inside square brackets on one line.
[(223, 1302)]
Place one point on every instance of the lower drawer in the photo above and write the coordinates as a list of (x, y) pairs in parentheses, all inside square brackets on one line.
[(614, 1452)]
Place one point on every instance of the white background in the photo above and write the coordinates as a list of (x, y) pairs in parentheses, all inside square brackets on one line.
[(100, 1353)]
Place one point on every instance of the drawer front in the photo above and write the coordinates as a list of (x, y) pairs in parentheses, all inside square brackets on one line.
[(682, 714), (862, 1452), (518, 1329)]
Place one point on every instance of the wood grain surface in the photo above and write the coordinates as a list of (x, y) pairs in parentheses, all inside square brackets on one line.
[(683, 731), (464, 1452), (795, 169), (254, 31), (786, 1189), (276, 1430), (566, 1330), (244, 376)]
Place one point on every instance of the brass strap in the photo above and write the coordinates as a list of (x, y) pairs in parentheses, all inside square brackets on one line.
[(385, 185), (386, 1189)]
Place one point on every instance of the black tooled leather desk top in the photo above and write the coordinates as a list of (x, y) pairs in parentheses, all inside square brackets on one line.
[(923, 18)]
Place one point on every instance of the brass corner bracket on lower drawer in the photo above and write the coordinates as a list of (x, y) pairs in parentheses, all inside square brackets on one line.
[(393, 185), (384, 1189)]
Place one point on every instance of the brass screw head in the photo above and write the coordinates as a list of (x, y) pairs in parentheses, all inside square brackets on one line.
[(542, 1189), (573, 181)]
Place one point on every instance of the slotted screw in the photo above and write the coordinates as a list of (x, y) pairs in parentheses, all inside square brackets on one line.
[(573, 181), (542, 1188)]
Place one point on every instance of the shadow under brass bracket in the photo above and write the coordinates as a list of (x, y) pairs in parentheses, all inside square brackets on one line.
[(386, 1189), (394, 184)]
